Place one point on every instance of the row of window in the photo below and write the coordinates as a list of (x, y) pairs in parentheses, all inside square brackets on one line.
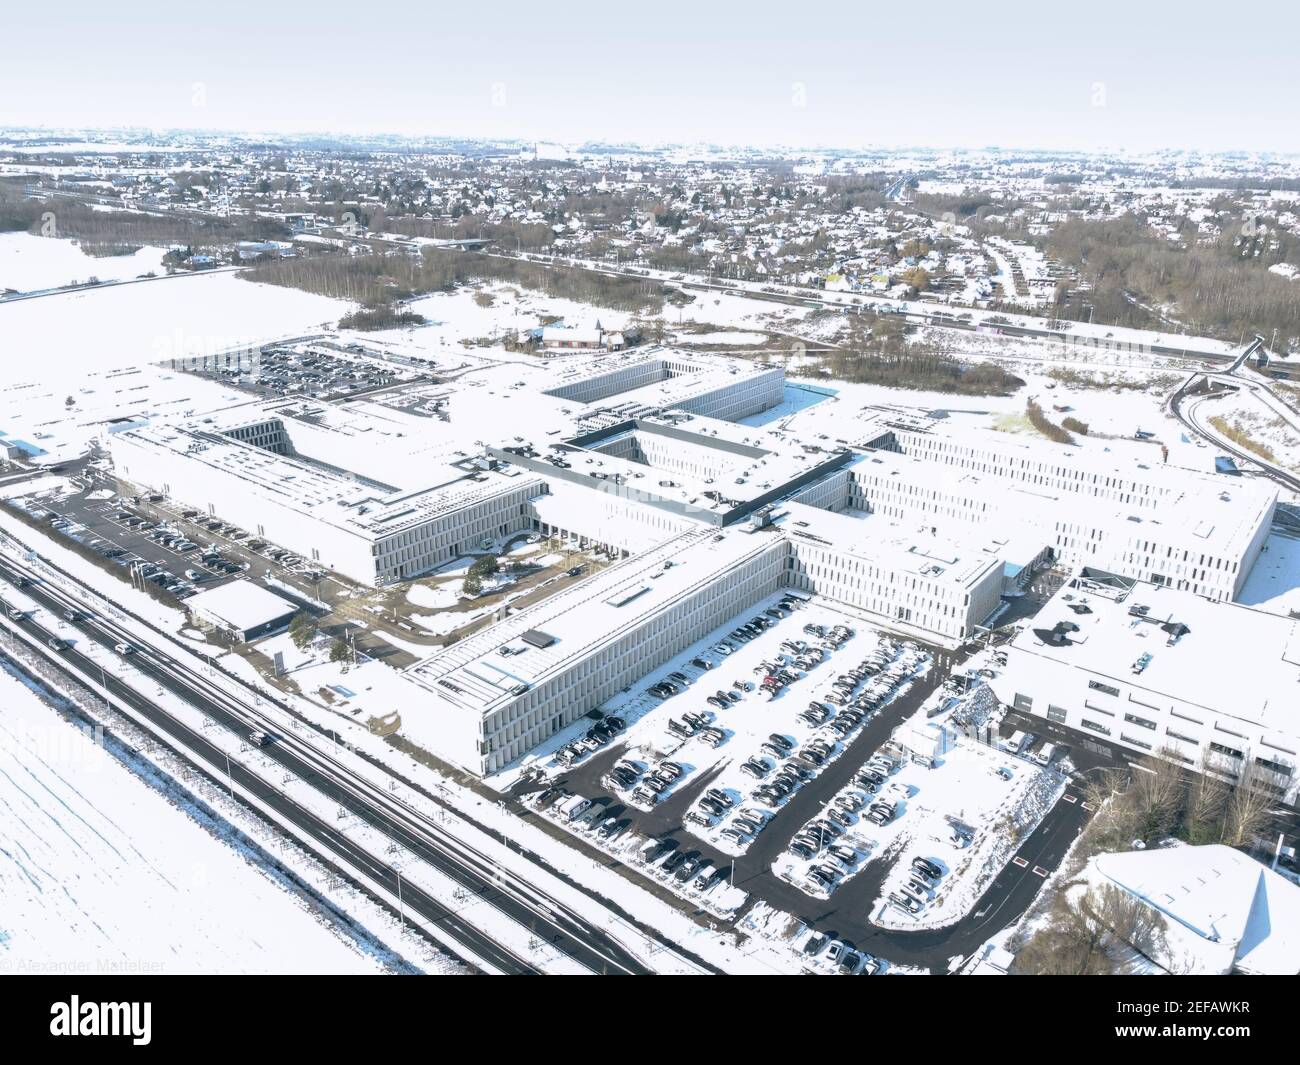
[(520, 725), (1059, 715)]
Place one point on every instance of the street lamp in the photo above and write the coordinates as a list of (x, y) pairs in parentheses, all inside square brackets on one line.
[(401, 912)]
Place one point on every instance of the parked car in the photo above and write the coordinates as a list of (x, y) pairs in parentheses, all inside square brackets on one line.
[(927, 866)]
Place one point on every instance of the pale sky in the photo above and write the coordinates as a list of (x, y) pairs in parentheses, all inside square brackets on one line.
[(1133, 75)]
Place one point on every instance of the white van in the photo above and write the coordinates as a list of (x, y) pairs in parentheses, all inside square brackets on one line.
[(1043, 756), (1017, 742)]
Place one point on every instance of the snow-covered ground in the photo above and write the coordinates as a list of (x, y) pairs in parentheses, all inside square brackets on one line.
[(1260, 424), (456, 320), (472, 813), (29, 263), (99, 872), (61, 338)]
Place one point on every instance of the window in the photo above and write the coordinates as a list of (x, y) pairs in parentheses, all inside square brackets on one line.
[(1095, 727), (1219, 748), (1180, 736), (1055, 713), (1136, 743), (1098, 686), (1023, 702), (1140, 721), (1273, 767)]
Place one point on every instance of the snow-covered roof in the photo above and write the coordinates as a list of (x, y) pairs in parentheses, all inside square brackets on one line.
[(1221, 645), (1219, 895), (241, 605), (588, 615)]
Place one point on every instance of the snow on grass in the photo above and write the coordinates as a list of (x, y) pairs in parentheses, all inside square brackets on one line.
[(29, 263), (457, 318), (100, 873), (735, 339), (434, 597), (132, 325), (1263, 430)]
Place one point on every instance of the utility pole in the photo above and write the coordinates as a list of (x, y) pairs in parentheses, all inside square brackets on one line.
[(401, 911)]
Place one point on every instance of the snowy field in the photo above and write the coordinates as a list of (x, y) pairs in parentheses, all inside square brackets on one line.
[(29, 263), (455, 320), (101, 873), (85, 331)]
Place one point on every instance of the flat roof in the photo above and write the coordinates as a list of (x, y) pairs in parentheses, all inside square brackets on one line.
[(1233, 660), (241, 604), (1193, 510), (333, 496), (588, 614), (900, 547)]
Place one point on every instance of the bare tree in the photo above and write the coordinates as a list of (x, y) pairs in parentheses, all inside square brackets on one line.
[(1207, 800), (1129, 920), (1248, 807), (1157, 794), (1087, 932)]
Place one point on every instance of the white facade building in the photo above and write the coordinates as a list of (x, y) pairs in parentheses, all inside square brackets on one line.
[(500, 692), (370, 532), (640, 455), (1166, 673), (1171, 526)]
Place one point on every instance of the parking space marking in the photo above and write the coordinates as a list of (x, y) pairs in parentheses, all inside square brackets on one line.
[(1039, 871), (1017, 860)]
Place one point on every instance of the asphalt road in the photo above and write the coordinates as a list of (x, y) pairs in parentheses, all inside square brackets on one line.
[(1192, 422), (567, 931)]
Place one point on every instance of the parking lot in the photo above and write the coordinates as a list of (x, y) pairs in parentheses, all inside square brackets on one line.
[(700, 785), (723, 839), (154, 542), (150, 551), (310, 369)]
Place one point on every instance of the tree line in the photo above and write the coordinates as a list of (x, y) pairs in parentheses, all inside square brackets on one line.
[(1221, 288), (886, 354), (380, 280)]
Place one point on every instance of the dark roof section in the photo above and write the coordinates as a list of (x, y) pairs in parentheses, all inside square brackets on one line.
[(538, 638)]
